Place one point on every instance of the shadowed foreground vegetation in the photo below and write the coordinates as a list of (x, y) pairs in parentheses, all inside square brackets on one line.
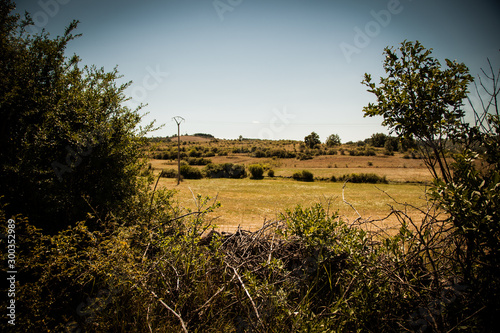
[(100, 248)]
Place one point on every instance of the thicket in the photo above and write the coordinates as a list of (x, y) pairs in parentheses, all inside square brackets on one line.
[(369, 178), (225, 170), (303, 175), (144, 263), (256, 171)]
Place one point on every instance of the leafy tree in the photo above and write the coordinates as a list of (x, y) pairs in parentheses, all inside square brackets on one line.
[(333, 140), (378, 139), (67, 142), (419, 100), (391, 144), (312, 140)]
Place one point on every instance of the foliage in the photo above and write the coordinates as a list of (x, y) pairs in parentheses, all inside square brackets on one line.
[(168, 173), (67, 142), (370, 178), (256, 171), (312, 140), (333, 140), (225, 170), (189, 172), (418, 100), (131, 259), (378, 139), (303, 175)]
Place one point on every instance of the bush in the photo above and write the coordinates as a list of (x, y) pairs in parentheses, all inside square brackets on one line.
[(270, 173), (198, 161), (168, 173), (226, 170), (303, 175), (189, 172), (256, 171), (370, 178)]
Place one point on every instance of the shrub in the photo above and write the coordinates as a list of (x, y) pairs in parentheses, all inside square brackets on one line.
[(189, 172), (303, 175), (270, 173), (370, 178), (168, 173), (304, 156), (256, 171), (226, 170), (198, 161), (370, 152)]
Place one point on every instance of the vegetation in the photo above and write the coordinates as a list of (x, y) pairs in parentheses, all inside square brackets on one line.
[(312, 140), (123, 255), (369, 178), (419, 100), (303, 175), (333, 140), (226, 170), (256, 171)]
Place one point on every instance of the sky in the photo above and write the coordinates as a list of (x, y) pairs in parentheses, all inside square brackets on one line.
[(267, 69)]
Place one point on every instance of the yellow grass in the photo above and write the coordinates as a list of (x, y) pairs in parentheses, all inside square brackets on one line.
[(248, 202)]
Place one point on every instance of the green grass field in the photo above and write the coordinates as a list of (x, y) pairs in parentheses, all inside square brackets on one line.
[(248, 202)]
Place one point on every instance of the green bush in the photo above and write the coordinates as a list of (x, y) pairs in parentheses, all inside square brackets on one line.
[(303, 175), (270, 173), (189, 172), (198, 161), (256, 171), (370, 178), (226, 170), (168, 173)]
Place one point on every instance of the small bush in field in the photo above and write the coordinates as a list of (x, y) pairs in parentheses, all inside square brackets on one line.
[(189, 172), (270, 173), (168, 173), (226, 170), (303, 175), (370, 178), (256, 171)]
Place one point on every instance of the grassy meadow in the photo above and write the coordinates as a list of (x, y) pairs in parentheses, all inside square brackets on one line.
[(249, 202)]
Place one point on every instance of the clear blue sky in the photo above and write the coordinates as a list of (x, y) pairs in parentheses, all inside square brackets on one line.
[(265, 68)]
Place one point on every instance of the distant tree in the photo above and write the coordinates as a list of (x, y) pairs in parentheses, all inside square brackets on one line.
[(378, 139), (333, 140), (391, 144), (312, 140), (419, 100), (67, 143)]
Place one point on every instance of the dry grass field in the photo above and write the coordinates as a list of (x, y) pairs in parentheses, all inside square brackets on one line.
[(248, 203)]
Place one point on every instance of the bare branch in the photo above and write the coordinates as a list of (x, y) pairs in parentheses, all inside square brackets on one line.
[(171, 310)]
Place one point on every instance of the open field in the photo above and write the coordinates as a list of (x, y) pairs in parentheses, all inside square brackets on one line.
[(395, 168), (248, 202)]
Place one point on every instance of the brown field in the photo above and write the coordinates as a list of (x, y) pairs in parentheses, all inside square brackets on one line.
[(249, 203)]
